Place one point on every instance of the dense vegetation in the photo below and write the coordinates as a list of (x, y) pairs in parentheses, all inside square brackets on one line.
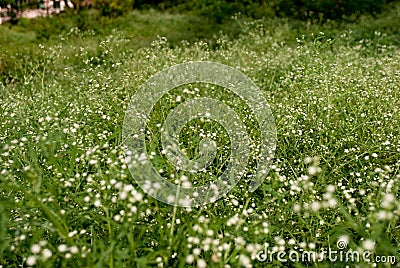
[(305, 9), (67, 198)]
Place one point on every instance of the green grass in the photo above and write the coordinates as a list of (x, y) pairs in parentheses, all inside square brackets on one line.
[(68, 200)]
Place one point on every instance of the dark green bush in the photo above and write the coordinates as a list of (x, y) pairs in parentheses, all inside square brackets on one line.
[(328, 9), (113, 7), (221, 10)]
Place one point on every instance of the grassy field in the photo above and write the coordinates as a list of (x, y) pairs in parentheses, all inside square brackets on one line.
[(67, 197)]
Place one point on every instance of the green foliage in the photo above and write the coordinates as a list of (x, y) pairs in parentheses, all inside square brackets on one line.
[(222, 10), (4, 3), (113, 7), (20, 5), (328, 9)]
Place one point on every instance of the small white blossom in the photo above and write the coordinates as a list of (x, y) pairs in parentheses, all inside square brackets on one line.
[(31, 261)]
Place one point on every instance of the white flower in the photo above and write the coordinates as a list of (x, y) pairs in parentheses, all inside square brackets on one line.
[(279, 241), (239, 242), (35, 249), (308, 160), (201, 263), (344, 238), (233, 221), (97, 203), (31, 261), (186, 184), (330, 188), (296, 208), (387, 200), (196, 251), (74, 249), (46, 253), (92, 161), (382, 215), (123, 195), (245, 261), (368, 245), (315, 206), (62, 248), (332, 202), (313, 170), (189, 259)]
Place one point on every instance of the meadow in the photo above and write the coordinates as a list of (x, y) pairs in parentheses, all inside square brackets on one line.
[(67, 196)]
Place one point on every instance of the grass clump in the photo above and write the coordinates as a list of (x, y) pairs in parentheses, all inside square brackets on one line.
[(67, 197)]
